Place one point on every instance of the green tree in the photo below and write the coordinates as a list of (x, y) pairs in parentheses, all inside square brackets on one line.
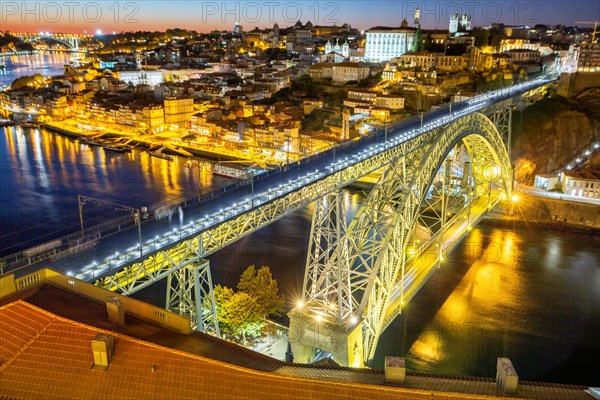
[(260, 285), (496, 38), (238, 313), (417, 44), (427, 43), (241, 315)]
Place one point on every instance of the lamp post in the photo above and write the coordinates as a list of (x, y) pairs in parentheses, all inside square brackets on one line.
[(135, 212)]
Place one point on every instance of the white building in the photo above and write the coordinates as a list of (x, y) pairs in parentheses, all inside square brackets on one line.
[(389, 101), (337, 53), (459, 24), (546, 181), (424, 60), (585, 183), (142, 77), (383, 43)]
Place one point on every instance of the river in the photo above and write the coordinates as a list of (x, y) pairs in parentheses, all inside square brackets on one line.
[(531, 295), (42, 175), (44, 63)]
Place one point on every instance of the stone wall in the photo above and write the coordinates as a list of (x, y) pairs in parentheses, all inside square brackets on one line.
[(558, 211)]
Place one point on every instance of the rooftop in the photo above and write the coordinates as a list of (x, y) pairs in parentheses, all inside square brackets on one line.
[(47, 321), (586, 174)]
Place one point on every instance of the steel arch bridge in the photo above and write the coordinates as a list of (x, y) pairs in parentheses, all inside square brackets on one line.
[(358, 274), (70, 40), (357, 277)]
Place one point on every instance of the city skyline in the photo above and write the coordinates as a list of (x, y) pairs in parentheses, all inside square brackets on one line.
[(204, 16)]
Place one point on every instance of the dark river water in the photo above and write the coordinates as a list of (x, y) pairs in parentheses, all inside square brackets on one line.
[(527, 294)]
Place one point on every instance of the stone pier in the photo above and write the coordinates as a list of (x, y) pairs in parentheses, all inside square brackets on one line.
[(307, 334)]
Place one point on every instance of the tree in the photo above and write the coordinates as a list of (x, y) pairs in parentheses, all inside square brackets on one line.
[(482, 37), (261, 286), (427, 43), (36, 81), (238, 313), (497, 38), (417, 44), (242, 314)]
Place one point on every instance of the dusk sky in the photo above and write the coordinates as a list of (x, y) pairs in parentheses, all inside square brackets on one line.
[(203, 16)]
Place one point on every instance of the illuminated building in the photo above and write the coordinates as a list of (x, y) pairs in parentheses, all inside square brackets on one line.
[(585, 183), (385, 43), (142, 77), (589, 58), (178, 111)]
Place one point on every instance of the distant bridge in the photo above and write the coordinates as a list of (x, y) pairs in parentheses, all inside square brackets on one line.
[(72, 41)]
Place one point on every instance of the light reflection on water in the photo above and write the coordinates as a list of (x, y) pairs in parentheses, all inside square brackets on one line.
[(42, 174), (531, 296), (44, 63)]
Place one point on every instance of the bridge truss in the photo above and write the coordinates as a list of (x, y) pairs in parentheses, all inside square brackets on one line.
[(355, 277)]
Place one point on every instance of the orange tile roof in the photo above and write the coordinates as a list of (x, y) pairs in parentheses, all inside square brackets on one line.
[(46, 356)]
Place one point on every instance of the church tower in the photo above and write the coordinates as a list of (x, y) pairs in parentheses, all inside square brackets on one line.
[(328, 47), (417, 17), (346, 49), (453, 27), (465, 23)]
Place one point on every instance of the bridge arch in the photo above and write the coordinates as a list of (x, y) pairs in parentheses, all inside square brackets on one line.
[(72, 43), (488, 154)]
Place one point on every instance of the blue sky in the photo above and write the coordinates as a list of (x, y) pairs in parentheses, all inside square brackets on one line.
[(111, 15)]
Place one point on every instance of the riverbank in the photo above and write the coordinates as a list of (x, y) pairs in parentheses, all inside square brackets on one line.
[(555, 213), (138, 141), (515, 222), (18, 53)]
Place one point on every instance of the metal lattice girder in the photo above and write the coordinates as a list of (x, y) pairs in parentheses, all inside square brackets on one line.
[(375, 220), (139, 275), (190, 293), (326, 289), (393, 208), (154, 268)]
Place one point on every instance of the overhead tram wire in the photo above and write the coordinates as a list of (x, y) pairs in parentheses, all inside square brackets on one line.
[(53, 235), (50, 222)]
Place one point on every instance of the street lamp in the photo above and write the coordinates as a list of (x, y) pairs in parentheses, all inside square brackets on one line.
[(82, 200), (514, 200)]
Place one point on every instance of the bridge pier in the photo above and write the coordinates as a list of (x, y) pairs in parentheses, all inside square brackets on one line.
[(308, 334)]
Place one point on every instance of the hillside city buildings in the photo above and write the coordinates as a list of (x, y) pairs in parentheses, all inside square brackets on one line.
[(227, 87)]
